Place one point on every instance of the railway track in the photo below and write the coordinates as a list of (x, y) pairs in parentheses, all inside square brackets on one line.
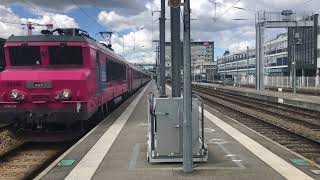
[(291, 135), (298, 121), (29, 158), (20, 158), (23, 155), (4, 127), (285, 107)]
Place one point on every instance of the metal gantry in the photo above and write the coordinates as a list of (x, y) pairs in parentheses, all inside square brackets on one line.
[(284, 19)]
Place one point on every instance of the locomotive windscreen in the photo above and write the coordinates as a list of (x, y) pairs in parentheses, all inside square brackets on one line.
[(2, 59), (25, 55), (65, 55)]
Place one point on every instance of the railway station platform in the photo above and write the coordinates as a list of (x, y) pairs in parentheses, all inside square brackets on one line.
[(116, 149), (300, 100)]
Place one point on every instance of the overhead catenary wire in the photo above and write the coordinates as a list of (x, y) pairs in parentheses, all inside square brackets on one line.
[(301, 4), (35, 8), (11, 22), (25, 21), (215, 19), (226, 19), (95, 7), (86, 14), (245, 9)]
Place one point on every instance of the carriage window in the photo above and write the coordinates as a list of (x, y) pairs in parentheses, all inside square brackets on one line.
[(25, 55), (116, 71), (103, 77), (65, 55)]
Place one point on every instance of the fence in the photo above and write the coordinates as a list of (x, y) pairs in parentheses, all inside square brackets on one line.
[(284, 81)]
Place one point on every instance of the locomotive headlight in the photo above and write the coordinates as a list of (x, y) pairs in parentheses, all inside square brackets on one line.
[(63, 95), (16, 95), (66, 94)]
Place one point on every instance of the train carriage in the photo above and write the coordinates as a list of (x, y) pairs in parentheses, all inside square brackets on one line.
[(62, 78)]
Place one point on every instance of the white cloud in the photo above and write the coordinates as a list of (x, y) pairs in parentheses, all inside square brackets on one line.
[(7, 29), (124, 16), (61, 6), (58, 20), (137, 46), (10, 22), (119, 22), (226, 34)]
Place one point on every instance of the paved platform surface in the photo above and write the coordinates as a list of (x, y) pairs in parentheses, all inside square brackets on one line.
[(116, 150), (303, 100)]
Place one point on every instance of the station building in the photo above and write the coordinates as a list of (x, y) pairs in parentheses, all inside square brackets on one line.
[(202, 59), (278, 59), (243, 63)]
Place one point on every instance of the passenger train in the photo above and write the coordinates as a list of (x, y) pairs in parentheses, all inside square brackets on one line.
[(62, 76)]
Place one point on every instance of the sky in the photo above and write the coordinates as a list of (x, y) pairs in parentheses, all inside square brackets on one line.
[(135, 22)]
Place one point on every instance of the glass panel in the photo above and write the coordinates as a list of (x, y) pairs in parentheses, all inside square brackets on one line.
[(25, 55), (2, 59), (116, 71), (65, 55), (104, 77)]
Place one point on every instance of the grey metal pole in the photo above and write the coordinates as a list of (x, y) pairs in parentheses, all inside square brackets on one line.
[(318, 77), (259, 57), (225, 74), (248, 71), (238, 73), (162, 21), (175, 51), (187, 93), (158, 73), (294, 71), (157, 65), (257, 54)]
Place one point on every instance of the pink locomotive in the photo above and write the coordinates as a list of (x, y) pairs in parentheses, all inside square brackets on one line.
[(62, 76)]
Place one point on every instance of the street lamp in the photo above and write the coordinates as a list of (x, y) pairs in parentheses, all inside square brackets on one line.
[(134, 36)]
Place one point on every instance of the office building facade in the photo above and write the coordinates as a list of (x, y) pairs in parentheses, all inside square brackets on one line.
[(202, 58)]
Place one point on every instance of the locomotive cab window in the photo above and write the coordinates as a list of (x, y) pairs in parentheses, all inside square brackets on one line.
[(2, 59), (25, 55), (65, 55)]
